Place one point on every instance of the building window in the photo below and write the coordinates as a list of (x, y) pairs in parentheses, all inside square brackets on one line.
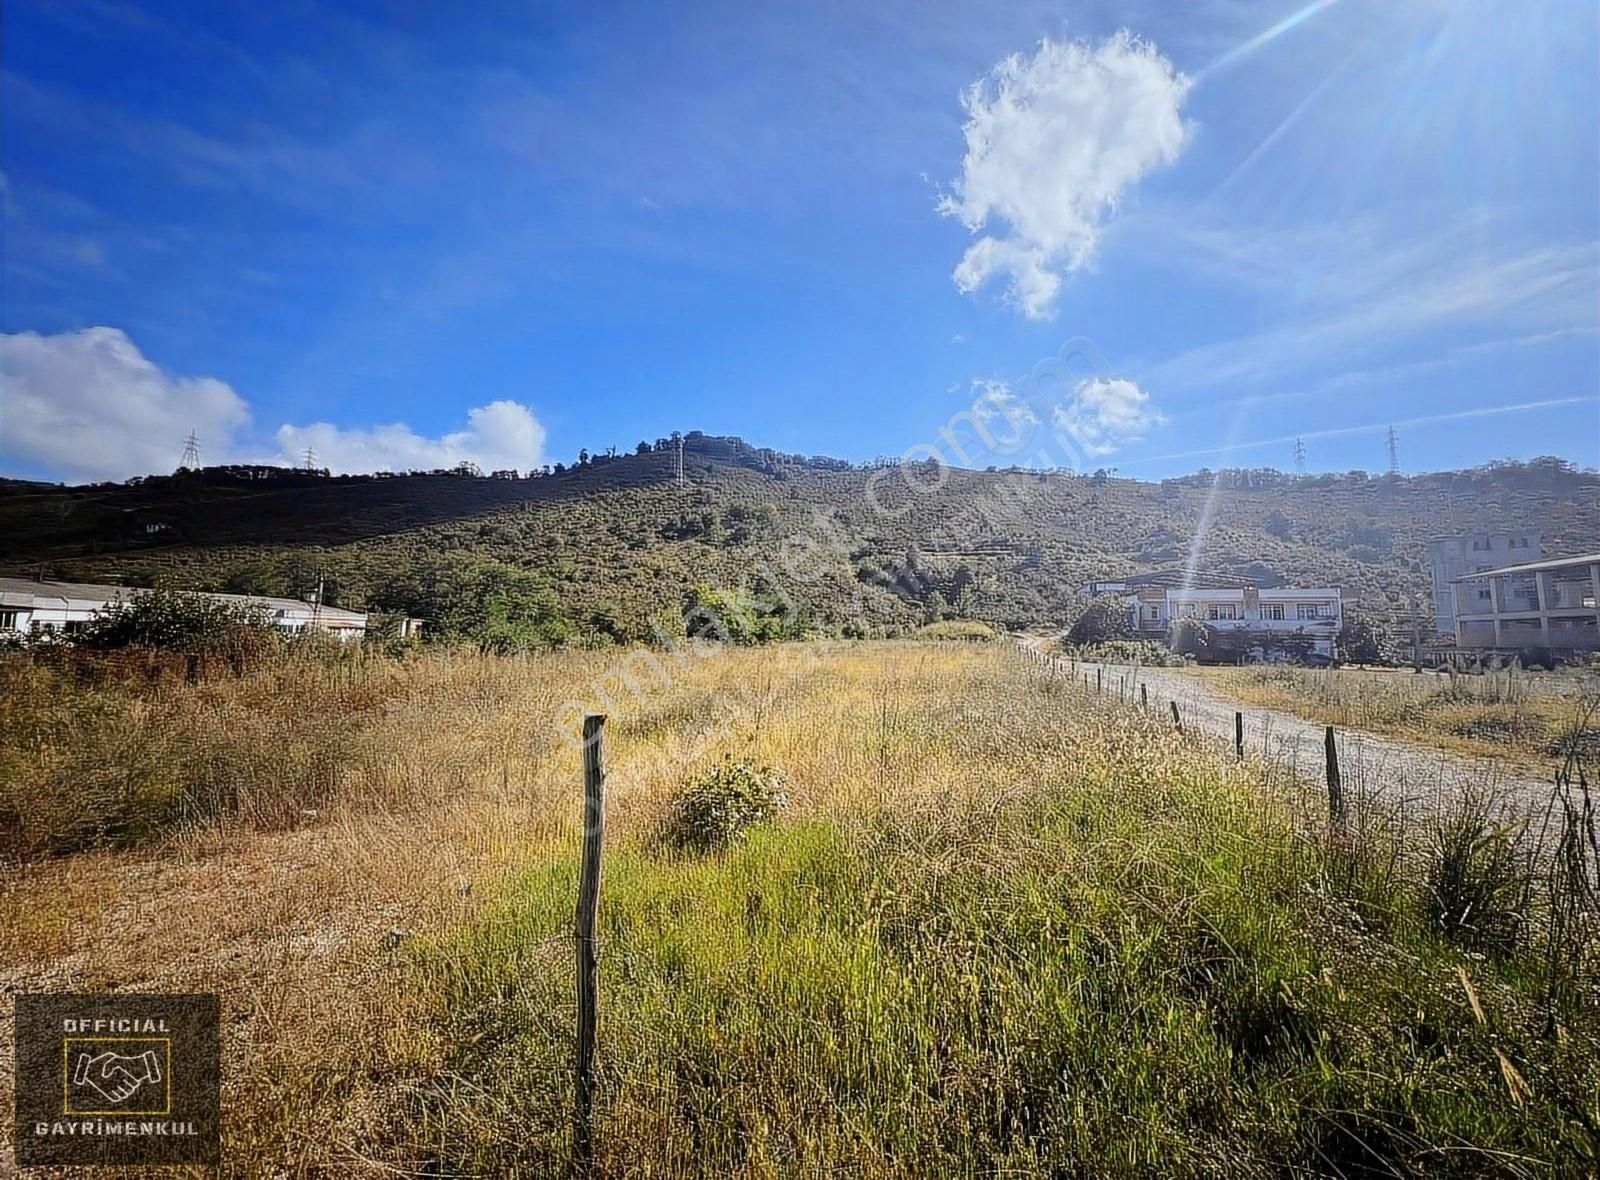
[(1221, 610), (1308, 610), (1272, 610), (1483, 593), (8, 620), (1519, 542), (1481, 546)]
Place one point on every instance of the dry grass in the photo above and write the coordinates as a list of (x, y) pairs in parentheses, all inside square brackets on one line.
[(1002, 926), (1529, 716)]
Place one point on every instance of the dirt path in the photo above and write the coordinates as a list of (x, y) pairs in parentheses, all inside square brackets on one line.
[(1391, 767)]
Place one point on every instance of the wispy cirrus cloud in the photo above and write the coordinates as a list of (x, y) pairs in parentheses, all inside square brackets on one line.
[(1375, 298)]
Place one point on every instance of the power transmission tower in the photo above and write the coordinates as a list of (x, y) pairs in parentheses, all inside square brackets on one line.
[(680, 462), (311, 459), (1299, 457), (1394, 452), (191, 454)]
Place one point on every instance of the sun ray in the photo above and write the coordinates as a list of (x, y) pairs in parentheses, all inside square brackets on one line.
[(1245, 49)]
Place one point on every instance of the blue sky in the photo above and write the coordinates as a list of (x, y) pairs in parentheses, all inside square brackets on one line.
[(403, 233)]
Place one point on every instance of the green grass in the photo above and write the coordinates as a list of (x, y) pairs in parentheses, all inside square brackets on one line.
[(1003, 927), (1086, 983)]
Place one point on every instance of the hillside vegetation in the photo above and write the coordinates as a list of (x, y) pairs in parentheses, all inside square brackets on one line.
[(995, 925), (594, 552)]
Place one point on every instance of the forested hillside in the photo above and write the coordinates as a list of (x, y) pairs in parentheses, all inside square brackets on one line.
[(596, 550)]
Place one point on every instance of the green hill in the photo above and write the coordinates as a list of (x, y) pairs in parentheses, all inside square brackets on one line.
[(600, 548)]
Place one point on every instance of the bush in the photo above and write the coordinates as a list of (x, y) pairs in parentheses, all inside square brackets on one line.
[(1363, 641), (176, 620), (1130, 651), (739, 616), (719, 809), (1102, 619), (969, 630)]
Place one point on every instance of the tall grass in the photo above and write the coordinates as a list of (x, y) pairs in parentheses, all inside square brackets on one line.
[(1092, 949), (1509, 711), (1004, 927)]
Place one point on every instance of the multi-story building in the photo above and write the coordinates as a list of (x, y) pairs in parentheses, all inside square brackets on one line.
[(1247, 620), (1455, 557), (1549, 607)]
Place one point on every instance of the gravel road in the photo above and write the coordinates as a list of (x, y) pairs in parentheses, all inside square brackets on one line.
[(1390, 767)]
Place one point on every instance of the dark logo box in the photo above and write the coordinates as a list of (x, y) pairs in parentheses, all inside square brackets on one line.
[(118, 1079)]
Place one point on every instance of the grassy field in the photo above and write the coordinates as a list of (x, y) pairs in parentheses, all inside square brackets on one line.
[(1531, 716), (1002, 928)]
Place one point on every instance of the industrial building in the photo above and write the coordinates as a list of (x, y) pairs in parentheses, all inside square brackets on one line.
[(1452, 558), (1550, 609), (29, 607)]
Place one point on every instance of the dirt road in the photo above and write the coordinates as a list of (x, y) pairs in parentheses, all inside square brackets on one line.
[(1388, 766)]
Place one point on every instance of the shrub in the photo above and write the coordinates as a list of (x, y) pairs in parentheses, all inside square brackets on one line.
[(1363, 641), (176, 620), (968, 629), (739, 616), (1102, 619), (1130, 651), (720, 808)]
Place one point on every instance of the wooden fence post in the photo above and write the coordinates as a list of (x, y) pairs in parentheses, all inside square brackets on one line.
[(1238, 736), (594, 827), (1097, 675), (1144, 695), (1335, 784), (1175, 719)]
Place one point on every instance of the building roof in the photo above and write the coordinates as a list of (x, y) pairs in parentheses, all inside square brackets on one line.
[(27, 590), (1530, 567), (1177, 578), (1275, 594)]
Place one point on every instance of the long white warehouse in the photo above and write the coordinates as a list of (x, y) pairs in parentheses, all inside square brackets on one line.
[(28, 606)]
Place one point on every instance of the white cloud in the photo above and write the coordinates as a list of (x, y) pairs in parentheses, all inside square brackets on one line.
[(500, 434), (89, 405), (1053, 141), (1103, 413)]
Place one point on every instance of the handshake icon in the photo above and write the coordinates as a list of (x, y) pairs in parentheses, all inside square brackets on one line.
[(115, 1076)]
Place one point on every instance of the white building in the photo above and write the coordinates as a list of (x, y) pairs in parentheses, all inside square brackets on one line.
[(1453, 558), (1250, 621), (28, 606)]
